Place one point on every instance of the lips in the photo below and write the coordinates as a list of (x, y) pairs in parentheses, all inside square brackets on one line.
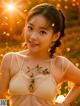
[(33, 44)]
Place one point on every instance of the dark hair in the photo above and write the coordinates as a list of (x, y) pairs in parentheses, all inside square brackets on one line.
[(54, 16)]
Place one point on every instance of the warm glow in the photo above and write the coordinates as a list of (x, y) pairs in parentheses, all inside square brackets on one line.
[(74, 0), (60, 99), (66, 0), (58, 5), (77, 3), (68, 49), (11, 7), (66, 7), (73, 4), (77, 64)]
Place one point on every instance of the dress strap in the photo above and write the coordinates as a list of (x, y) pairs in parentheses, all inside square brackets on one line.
[(52, 71), (20, 62)]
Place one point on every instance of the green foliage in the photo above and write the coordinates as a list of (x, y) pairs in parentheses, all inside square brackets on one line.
[(64, 88)]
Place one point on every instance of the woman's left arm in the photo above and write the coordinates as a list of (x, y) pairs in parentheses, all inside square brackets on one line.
[(72, 73)]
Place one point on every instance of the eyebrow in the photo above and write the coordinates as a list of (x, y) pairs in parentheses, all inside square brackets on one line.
[(45, 28)]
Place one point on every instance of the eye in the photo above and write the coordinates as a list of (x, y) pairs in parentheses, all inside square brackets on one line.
[(30, 28), (42, 32)]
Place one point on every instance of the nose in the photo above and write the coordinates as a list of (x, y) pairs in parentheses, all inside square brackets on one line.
[(33, 35)]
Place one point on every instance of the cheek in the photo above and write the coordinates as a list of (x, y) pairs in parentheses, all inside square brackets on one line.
[(26, 35), (45, 41)]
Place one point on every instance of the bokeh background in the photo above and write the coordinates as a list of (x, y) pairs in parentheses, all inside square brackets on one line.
[(13, 14)]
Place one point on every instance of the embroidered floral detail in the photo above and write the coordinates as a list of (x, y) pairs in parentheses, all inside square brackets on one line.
[(31, 86), (31, 71)]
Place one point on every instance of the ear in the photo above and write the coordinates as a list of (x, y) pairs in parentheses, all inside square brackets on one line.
[(55, 36)]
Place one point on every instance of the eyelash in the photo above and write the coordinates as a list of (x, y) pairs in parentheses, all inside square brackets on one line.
[(41, 32), (30, 28)]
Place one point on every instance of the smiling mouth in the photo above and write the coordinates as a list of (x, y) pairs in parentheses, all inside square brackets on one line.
[(33, 44)]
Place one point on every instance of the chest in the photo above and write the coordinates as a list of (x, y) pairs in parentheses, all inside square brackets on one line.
[(36, 68)]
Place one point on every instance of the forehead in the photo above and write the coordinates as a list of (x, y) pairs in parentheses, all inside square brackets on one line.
[(39, 20)]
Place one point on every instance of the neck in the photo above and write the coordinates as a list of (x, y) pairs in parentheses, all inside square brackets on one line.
[(39, 55)]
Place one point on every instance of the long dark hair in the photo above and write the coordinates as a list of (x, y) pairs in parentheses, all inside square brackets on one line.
[(55, 18)]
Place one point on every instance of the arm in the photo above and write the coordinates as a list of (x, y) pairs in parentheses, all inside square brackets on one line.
[(72, 95), (4, 75), (72, 73)]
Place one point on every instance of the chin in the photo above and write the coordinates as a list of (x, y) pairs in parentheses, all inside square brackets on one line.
[(34, 49)]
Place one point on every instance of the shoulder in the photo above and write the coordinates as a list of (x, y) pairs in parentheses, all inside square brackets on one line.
[(23, 52), (64, 61), (6, 60), (66, 64), (58, 59), (21, 55), (10, 55), (61, 62), (7, 56)]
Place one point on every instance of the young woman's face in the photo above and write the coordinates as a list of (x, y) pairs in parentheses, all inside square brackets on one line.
[(38, 33)]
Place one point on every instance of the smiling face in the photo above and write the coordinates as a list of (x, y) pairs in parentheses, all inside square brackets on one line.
[(38, 34)]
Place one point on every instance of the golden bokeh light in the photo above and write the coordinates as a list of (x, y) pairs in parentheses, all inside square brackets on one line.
[(60, 99), (11, 6), (68, 49)]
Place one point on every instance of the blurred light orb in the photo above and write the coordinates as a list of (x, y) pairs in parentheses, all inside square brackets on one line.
[(77, 64), (68, 49), (66, 7), (11, 7), (58, 5), (60, 99)]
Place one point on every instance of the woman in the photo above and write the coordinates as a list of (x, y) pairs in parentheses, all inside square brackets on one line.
[(32, 75)]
